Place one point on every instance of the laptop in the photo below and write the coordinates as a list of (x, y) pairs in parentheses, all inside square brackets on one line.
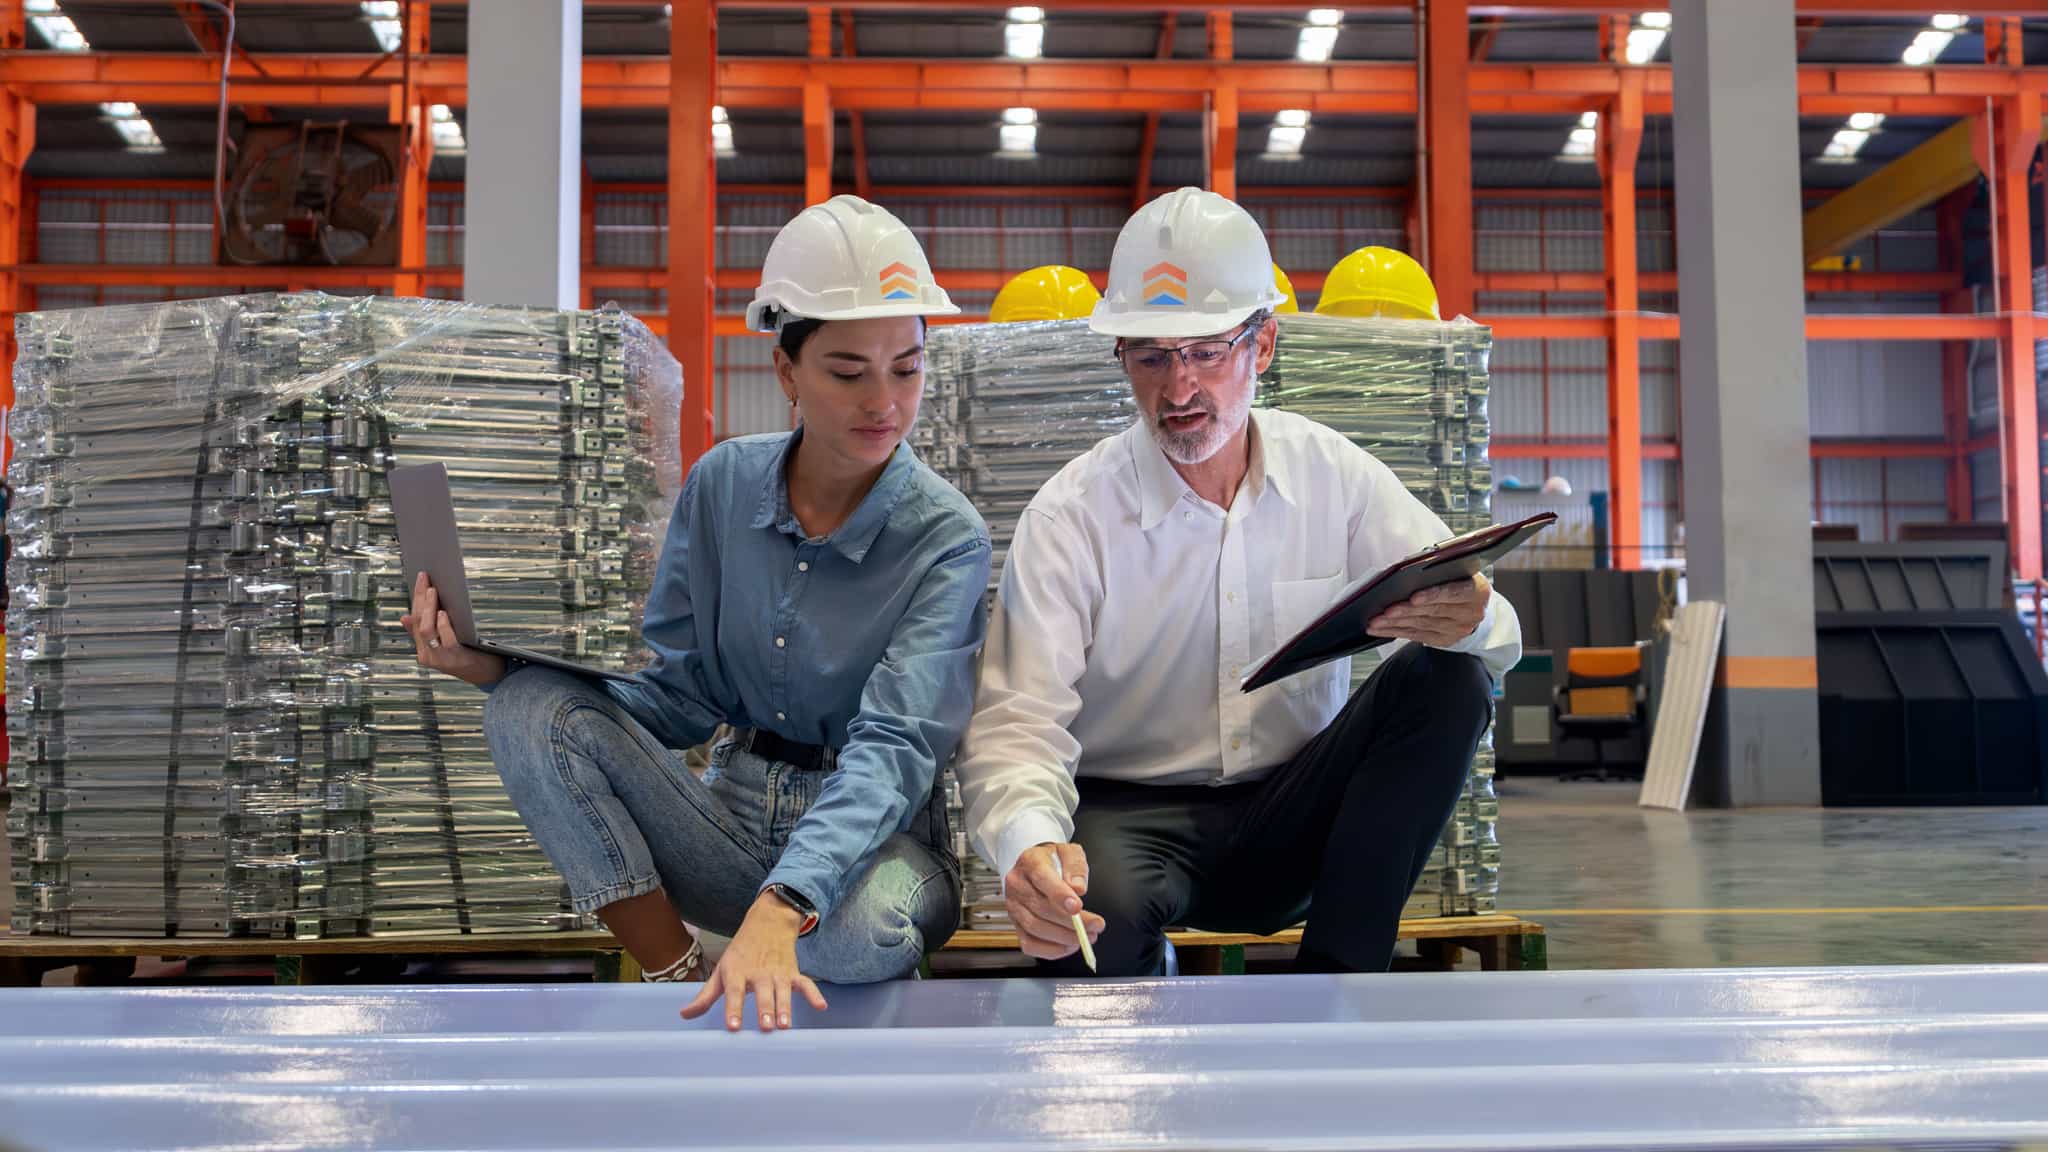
[(428, 542)]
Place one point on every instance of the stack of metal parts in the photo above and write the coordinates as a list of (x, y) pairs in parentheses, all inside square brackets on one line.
[(1008, 405), (1414, 395), (217, 726)]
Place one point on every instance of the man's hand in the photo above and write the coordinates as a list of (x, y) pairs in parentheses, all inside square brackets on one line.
[(761, 959), (1042, 901), (1438, 617)]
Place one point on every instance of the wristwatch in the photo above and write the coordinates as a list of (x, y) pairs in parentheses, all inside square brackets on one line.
[(798, 901)]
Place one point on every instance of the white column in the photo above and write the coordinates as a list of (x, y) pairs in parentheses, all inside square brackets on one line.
[(524, 127)]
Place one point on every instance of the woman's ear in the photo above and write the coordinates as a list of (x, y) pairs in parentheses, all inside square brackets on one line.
[(785, 375)]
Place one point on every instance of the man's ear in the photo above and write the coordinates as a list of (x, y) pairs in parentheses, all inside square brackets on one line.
[(1269, 341)]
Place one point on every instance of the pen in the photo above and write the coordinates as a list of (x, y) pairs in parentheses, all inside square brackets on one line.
[(1080, 933)]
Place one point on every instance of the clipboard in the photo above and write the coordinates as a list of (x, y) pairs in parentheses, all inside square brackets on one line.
[(1340, 630)]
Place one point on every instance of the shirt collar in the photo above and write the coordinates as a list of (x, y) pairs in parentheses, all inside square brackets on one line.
[(857, 535), (1160, 486)]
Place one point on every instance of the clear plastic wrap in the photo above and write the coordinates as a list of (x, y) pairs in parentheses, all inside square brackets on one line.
[(1007, 405), (216, 725)]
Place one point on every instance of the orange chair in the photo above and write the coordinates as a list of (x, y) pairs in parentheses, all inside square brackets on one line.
[(1603, 698)]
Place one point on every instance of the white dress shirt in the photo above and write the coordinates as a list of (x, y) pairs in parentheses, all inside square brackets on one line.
[(1130, 608)]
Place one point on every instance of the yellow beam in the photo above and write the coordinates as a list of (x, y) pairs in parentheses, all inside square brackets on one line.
[(1919, 178)]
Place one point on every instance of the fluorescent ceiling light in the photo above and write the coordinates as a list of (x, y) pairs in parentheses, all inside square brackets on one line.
[(1589, 120), (1326, 17), (1655, 20), (59, 32), (1024, 41), (1866, 121), (1316, 44), (1291, 118), (721, 131), (1927, 47), (446, 132), (718, 115), (121, 110), (1584, 138), (1019, 139), (1027, 16), (1285, 139), (1643, 44), (1950, 21), (1020, 115)]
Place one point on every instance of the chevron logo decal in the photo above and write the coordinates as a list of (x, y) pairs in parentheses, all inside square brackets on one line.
[(1166, 286), (899, 282)]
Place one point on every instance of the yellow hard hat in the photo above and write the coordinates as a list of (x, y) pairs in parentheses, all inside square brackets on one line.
[(1054, 292), (1379, 282), (1286, 288)]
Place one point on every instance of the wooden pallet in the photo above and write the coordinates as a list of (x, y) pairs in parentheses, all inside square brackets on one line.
[(1503, 943), (24, 959)]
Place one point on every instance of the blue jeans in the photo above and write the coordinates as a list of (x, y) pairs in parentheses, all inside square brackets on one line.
[(620, 815)]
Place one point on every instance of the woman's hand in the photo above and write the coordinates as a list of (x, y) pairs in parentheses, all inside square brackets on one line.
[(761, 959), (433, 638)]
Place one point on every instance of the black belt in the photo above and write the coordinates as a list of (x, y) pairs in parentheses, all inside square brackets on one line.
[(769, 746)]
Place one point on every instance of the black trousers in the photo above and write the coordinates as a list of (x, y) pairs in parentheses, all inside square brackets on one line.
[(1345, 828)]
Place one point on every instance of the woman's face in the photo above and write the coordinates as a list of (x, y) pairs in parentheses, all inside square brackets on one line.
[(856, 385)]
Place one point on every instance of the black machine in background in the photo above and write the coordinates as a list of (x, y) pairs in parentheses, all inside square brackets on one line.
[(1930, 692)]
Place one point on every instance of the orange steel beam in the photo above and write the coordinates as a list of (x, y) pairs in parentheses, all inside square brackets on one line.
[(1148, 139), (1219, 138), (17, 140), (2015, 133), (1446, 131), (692, 213), (856, 124), (207, 35), (1355, 87), (409, 110), (1482, 40), (817, 144), (1621, 138)]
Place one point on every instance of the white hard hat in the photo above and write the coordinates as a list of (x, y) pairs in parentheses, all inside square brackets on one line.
[(1190, 263), (845, 259)]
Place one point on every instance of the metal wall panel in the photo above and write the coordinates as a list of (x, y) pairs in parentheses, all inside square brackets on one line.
[(1659, 374), (1871, 388)]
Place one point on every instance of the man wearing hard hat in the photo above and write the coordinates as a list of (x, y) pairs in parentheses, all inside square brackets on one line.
[(1113, 768)]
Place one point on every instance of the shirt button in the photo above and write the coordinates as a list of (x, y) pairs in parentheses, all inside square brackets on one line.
[(780, 716), (1187, 515), (803, 565), (780, 642), (1235, 744)]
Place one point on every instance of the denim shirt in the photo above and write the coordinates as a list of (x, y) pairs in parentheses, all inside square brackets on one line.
[(863, 641)]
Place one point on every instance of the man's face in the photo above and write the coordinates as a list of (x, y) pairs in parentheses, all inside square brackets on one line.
[(1196, 394)]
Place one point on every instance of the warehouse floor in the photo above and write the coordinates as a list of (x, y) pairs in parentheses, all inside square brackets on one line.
[(1621, 887)]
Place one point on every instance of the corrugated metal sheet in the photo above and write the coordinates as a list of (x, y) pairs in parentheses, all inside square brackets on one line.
[(1859, 388), (1917, 481), (1578, 387), (1987, 486), (748, 399), (1658, 361)]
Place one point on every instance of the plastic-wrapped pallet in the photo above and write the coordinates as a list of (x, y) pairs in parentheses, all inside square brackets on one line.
[(217, 726), (1008, 405)]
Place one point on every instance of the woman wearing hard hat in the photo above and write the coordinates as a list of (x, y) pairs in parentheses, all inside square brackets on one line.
[(821, 592)]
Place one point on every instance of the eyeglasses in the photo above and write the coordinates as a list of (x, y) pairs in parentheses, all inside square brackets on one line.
[(1205, 357)]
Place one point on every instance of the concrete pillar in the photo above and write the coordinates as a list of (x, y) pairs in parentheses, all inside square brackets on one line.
[(1742, 366), (524, 127)]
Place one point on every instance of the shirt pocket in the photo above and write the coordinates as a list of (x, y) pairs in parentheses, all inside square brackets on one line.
[(1296, 605)]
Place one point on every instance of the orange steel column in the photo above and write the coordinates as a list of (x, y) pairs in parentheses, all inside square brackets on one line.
[(692, 191), (1447, 143), (17, 140), (1621, 138), (410, 110), (2017, 130), (818, 116), (817, 144), (1219, 142)]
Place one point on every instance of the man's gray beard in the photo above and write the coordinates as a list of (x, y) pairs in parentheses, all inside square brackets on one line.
[(1194, 448)]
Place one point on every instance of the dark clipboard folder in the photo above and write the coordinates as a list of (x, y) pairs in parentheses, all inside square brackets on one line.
[(1340, 630)]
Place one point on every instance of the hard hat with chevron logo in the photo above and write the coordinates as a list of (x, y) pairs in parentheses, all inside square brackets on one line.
[(845, 259), (1190, 263)]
